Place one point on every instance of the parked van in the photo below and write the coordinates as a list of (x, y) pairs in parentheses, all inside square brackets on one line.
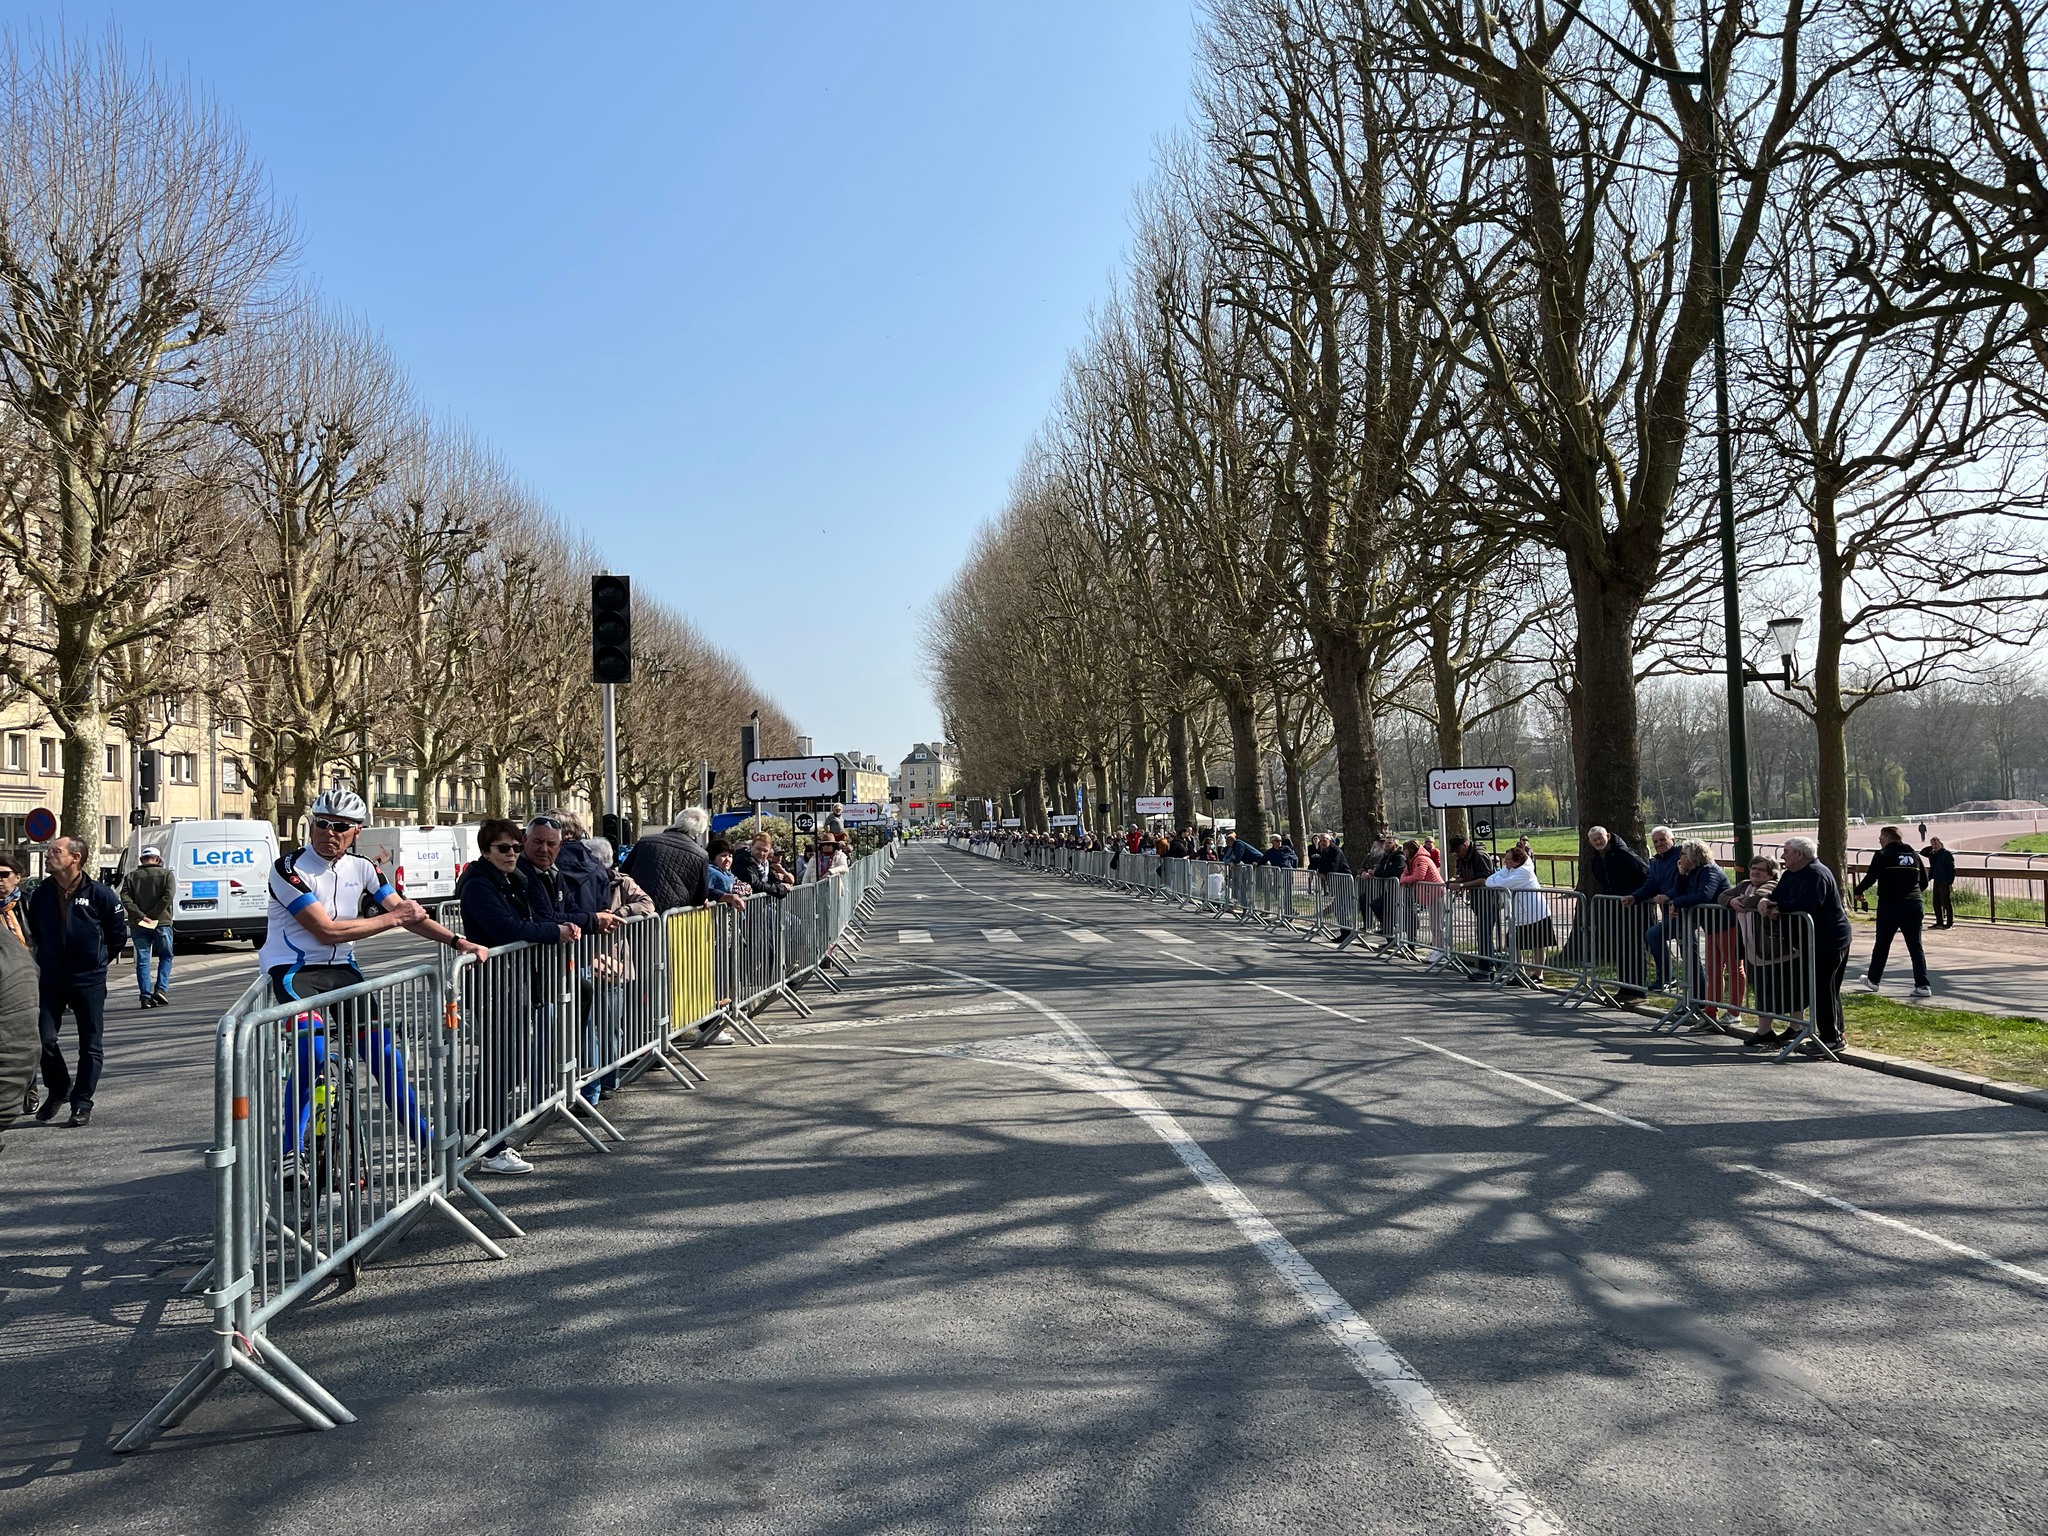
[(221, 871), (420, 862)]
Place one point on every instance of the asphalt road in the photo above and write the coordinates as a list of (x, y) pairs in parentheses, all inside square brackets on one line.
[(1051, 1223)]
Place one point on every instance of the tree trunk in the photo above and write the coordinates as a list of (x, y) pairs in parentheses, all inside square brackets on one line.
[(1104, 823), (497, 791), (1346, 684), (1247, 794), (1198, 770), (1177, 767), (1606, 757), (85, 737), (305, 787)]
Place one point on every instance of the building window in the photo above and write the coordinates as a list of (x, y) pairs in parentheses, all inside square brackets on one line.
[(110, 831), (230, 726), (17, 753), (231, 776), (113, 761), (50, 759), (184, 767)]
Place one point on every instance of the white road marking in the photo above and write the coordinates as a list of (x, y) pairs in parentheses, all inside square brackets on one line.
[(1848, 1207), (1000, 936), (1491, 1485), (1894, 1223), (1163, 935), (1085, 936), (913, 936)]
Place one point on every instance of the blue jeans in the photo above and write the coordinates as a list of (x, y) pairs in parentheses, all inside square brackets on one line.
[(152, 942), (1653, 940)]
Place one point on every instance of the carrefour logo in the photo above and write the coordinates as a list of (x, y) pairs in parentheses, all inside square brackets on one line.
[(215, 858)]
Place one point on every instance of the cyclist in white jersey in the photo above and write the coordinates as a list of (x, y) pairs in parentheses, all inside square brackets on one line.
[(315, 896)]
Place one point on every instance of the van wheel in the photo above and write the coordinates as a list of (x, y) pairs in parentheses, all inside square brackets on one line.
[(260, 937)]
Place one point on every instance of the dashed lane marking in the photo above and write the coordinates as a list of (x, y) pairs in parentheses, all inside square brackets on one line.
[(1085, 936), (1163, 935), (1000, 936), (913, 936)]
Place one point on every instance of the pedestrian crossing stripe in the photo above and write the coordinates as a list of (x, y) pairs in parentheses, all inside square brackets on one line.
[(1164, 936), (913, 936), (1000, 936), (1085, 936)]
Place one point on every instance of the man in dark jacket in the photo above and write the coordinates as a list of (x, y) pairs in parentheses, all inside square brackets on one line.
[(146, 898), (1899, 876), (79, 929), (553, 897), (1615, 869), (585, 878), (19, 1043), (1941, 881), (1809, 886), (671, 866), (1243, 851), (1660, 884)]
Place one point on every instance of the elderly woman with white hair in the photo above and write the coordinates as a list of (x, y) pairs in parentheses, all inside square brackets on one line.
[(1809, 886)]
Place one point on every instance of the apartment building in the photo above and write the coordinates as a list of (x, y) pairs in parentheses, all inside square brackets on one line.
[(926, 779), (199, 770)]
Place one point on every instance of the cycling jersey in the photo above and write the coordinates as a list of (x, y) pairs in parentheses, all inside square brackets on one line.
[(297, 881)]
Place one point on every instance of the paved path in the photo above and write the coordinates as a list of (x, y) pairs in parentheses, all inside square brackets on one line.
[(1032, 1231)]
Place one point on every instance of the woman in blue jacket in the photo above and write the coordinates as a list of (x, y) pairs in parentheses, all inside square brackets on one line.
[(1706, 924)]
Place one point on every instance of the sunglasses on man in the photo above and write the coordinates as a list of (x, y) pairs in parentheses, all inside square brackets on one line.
[(544, 821), (334, 826)]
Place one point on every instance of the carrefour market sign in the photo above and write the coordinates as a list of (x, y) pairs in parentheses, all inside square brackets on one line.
[(793, 778), (1449, 787)]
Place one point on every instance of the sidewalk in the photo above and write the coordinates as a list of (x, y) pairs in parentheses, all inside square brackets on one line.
[(1994, 970)]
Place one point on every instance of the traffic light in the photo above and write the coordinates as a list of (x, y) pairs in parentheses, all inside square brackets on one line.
[(611, 629), (145, 776)]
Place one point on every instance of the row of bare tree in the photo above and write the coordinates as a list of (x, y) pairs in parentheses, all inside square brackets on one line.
[(211, 484), (1403, 403)]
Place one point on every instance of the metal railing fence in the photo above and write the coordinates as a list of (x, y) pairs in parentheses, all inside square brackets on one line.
[(344, 1119)]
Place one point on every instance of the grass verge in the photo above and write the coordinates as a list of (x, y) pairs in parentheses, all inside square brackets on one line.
[(2010, 1048), (2033, 842)]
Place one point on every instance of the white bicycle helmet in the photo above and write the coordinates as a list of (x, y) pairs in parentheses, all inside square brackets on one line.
[(345, 804)]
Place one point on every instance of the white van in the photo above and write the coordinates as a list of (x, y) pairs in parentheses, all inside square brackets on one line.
[(222, 875), (420, 862)]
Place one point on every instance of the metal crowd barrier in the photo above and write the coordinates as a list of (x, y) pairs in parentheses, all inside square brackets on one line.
[(343, 1120), (1707, 966)]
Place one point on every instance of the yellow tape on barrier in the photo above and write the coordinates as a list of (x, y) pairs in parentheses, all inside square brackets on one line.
[(693, 987)]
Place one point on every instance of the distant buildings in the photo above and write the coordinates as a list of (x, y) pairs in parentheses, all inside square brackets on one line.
[(926, 780)]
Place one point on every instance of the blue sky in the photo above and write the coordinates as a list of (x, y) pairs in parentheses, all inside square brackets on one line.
[(769, 300)]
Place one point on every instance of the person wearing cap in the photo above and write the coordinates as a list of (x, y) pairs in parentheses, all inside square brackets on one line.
[(146, 897)]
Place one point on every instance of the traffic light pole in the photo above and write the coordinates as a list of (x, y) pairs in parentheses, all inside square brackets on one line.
[(611, 753)]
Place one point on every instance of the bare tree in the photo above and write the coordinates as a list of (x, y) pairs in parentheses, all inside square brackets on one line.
[(134, 232)]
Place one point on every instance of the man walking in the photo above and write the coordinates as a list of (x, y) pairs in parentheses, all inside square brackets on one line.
[(1941, 882), (146, 897), (78, 928), (1899, 876)]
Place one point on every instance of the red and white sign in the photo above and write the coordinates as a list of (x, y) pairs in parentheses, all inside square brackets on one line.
[(1451, 787), (1155, 805), (793, 778), (862, 813)]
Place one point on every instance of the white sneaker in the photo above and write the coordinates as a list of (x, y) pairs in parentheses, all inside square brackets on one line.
[(723, 1037), (506, 1161), (1866, 983), (1921, 992)]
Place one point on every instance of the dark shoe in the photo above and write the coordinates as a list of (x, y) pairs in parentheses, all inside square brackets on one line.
[(81, 1117), (1765, 1042), (49, 1111), (30, 1100), (144, 1000), (160, 1000)]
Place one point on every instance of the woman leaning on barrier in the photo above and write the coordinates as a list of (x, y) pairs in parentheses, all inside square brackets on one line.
[(1702, 924), (1530, 929), (495, 902), (1769, 954)]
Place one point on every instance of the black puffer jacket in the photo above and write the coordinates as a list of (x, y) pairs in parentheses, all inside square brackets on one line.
[(670, 868)]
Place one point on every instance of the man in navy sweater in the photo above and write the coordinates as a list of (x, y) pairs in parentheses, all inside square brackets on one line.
[(79, 929)]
